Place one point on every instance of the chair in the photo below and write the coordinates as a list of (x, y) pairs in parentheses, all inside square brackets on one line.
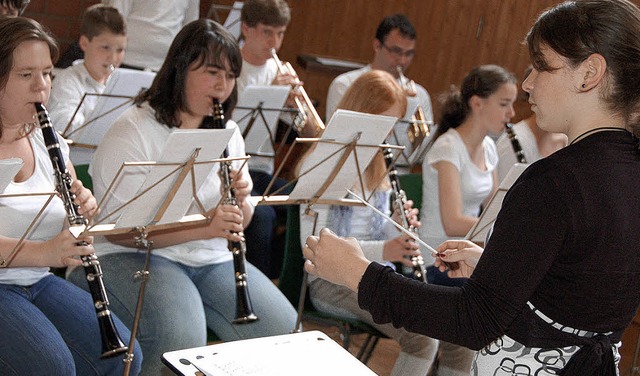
[(82, 172), (293, 285), (412, 186)]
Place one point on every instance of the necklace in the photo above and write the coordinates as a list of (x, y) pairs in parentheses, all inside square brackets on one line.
[(596, 130)]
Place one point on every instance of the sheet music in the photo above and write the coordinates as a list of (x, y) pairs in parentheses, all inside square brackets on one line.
[(179, 148), (257, 140), (8, 170), (343, 126), (122, 82), (478, 233), (310, 353)]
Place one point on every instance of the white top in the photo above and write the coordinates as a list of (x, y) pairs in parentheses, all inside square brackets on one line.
[(135, 137), (476, 185), (506, 153), (340, 85), (258, 75), (151, 27), (17, 213), (361, 224), (67, 89)]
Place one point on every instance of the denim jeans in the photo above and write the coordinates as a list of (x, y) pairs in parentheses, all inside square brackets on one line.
[(181, 301), (51, 328)]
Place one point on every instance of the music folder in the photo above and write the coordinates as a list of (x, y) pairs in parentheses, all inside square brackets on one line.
[(310, 353)]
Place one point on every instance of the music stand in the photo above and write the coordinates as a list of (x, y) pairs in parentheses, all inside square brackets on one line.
[(123, 85), (413, 151), (232, 22), (164, 198), (338, 160), (257, 114), (482, 228)]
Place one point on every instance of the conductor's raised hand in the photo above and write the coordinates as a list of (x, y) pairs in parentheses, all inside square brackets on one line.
[(462, 253), (335, 259)]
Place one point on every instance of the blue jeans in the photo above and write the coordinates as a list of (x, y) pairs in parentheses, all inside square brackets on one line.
[(51, 328), (181, 301)]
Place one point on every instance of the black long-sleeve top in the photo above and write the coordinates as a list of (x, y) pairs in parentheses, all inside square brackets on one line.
[(567, 240)]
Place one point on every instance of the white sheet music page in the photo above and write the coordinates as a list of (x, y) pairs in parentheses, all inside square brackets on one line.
[(343, 127), (271, 98), (122, 82), (179, 148), (8, 170), (310, 353)]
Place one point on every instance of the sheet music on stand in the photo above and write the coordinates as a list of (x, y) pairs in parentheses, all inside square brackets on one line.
[(160, 179), (123, 85), (310, 353), (478, 233), (257, 115), (343, 127)]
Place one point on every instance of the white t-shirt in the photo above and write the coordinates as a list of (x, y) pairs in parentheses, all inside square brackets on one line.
[(151, 27), (67, 90), (135, 137), (476, 185), (338, 88), (506, 153), (16, 213)]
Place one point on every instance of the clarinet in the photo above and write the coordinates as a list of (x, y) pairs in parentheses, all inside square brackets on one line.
[(399, 199), (244, 309), (112, 345), (515, 143)]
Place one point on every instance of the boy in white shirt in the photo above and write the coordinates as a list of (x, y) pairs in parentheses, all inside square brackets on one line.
[(103, 39)]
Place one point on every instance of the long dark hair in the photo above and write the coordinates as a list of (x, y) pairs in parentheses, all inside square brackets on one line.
[(611, 28), (203, 41), (13, 31), (481, 81)]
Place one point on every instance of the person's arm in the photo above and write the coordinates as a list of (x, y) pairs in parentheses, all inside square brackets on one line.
[(454, 221), (519, 255), (61, 251)]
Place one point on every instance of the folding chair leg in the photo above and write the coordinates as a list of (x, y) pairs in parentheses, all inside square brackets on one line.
[(367, 348)]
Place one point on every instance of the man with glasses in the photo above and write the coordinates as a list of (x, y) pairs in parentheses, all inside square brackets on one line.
[(13, 8), (393, 49)]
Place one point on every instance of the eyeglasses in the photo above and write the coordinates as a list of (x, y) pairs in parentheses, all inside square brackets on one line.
[(399, 52)]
